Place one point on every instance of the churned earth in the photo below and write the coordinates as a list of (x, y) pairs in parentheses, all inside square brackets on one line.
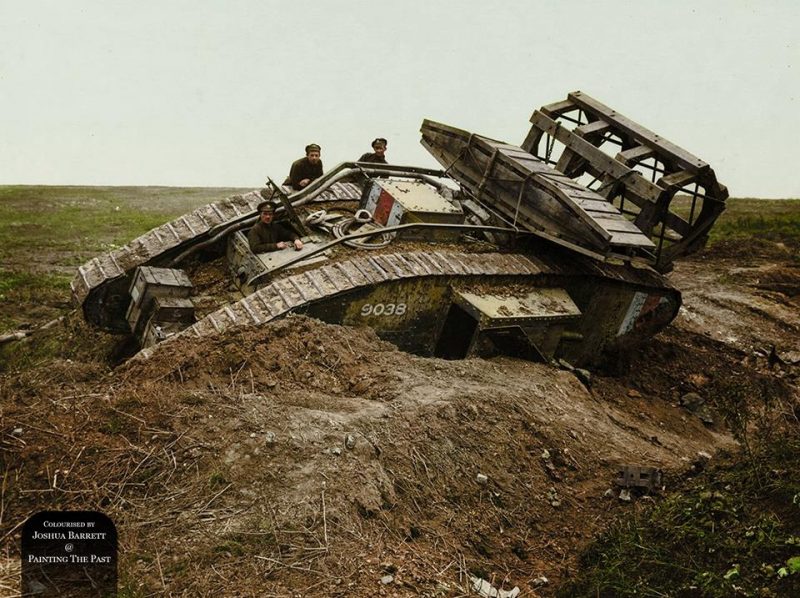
[(309, 459)]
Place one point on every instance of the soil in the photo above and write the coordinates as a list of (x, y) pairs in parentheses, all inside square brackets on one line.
[(311, 459)]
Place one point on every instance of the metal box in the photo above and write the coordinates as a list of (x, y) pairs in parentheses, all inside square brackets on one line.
[(149, 283), (393, 202)]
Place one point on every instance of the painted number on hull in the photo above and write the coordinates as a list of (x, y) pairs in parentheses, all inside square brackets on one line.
[(383, 309)]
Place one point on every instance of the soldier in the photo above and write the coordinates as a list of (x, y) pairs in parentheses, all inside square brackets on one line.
[(378, 156), (306, 169), (267, 235)]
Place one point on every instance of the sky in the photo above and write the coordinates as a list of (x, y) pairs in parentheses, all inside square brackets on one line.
[(228, 92)]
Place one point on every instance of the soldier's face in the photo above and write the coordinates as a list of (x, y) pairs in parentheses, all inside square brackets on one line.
[(313, 157), (380, 149), (266, 217)]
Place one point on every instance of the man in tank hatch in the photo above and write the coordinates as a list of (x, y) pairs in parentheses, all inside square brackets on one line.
[(268, 235)]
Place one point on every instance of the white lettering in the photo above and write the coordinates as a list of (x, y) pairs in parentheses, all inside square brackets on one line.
[(383, 309)]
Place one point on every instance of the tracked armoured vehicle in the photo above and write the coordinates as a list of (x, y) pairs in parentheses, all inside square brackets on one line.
[(552, 249)]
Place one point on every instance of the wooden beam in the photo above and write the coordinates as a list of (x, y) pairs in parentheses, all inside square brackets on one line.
[(635, 154), (601, 161), (592, 128), (676, 180), (558, 108), (684, 159)]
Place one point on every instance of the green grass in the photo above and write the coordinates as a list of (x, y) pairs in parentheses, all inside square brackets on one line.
[(766, 219), (47, 232), (775, 220), (708, 540), (735, 530), (18, 289), (89, 219), (71, 228)]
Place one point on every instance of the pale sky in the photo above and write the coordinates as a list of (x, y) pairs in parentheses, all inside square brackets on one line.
[(226, 93)]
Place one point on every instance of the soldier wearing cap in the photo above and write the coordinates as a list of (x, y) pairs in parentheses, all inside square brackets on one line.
[(267, 235), (306, 169), (378, 156)]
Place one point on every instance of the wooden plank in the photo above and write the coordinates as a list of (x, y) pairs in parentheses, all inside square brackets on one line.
[(531, 143), (596, 205), (676, 223), (635, 155), (558, 108), (598, 159), (586, 194), (550, 200), (619, 224), (592, 128), (676, 180), (567, 156), (645, 136), (517, 152), (549, 210), (630, 240)]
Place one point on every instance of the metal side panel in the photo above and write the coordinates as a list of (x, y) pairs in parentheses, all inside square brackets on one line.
[(500, 310)]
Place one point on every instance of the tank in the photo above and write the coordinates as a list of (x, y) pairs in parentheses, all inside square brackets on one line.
[(553, 249)]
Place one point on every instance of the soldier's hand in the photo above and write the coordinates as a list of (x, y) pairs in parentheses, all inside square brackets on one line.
[(298, 244), (282, 245), (304, 182)]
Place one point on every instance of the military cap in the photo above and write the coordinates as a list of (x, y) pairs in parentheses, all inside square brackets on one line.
[(379, 140), (266, 206), (313, 147)]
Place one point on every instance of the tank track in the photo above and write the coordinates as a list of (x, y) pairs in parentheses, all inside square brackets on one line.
[(95, 276), (287, 294)]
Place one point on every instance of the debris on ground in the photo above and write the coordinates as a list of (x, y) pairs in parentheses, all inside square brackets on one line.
[(487, 590)]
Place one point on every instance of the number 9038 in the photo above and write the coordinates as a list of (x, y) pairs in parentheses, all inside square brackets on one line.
[(383, 309)]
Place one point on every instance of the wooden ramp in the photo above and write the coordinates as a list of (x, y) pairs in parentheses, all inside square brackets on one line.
[(531, 195)]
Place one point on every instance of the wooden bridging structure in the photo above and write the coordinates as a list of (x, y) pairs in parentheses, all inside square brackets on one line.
[(668, 193), (528, 194)]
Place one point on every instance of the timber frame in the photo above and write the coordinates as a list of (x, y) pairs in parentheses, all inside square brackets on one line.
[(642, 178)]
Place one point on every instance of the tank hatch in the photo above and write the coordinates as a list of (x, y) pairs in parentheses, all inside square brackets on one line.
[(497, 311)]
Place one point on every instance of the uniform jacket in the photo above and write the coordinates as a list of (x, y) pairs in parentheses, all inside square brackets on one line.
[(264, 237), (375, 158), (303, 169)]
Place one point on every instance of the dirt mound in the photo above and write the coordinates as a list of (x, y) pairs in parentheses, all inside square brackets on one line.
[(308, 458), (292, 353), (305, 457)]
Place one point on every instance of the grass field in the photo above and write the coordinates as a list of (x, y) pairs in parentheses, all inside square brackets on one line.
[(47, 232)]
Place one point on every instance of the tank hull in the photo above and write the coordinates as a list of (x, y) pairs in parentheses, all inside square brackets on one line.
[(578, 311)]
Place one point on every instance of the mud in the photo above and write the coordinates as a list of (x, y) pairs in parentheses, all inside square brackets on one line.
[(311, 459)]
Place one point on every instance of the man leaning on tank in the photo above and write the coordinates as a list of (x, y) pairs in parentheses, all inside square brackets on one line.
[(305, 170), (268, 235)]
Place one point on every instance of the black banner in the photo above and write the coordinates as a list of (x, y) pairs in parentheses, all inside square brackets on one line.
[(69, 554)]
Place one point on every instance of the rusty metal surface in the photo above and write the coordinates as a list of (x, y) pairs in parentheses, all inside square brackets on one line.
[(292, 292), (362, 275), (635, 476), (500, 307)]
